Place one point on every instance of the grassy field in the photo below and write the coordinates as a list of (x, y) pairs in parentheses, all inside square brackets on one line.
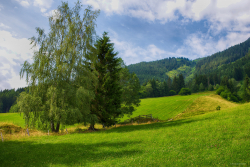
[(14, 118), (165, 107), (218, 138)]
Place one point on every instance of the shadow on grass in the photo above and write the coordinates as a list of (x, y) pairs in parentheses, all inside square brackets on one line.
[(14, 153), (152, 126)]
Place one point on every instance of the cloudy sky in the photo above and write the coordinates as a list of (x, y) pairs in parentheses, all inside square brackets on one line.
[(142, 30)]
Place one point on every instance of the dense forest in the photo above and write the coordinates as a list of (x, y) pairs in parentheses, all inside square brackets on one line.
[(158, 69), (8, 98)]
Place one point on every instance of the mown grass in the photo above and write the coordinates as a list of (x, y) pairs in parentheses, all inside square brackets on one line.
[(165, 108), (219, 138)]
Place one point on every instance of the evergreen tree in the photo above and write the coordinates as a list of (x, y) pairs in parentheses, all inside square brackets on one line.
[(108, 92), (246, 89), (175, 85), (181, 83)]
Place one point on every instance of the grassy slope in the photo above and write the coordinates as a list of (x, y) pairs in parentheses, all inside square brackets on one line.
[(219, 138), (206, 104), (165, 107)]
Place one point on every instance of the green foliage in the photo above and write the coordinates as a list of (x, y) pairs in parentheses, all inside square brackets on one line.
[(185, 91), (218, 108), (117, 91), (13, 108), (160, 69), (61, 79), (217, 86), (246, 89), (201, 87), (219, 90), (210, 87), (172, 92)]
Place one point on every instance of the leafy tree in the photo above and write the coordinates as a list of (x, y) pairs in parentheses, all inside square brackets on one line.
[(180, 82), (14, 108), (185, 91), (61, 80), (172, 92)]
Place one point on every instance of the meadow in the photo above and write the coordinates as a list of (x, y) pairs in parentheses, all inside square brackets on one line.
[(214, 138)]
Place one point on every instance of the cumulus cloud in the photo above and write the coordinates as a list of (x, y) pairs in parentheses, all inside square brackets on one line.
[(132, 54), (13, 52), (222, 14)]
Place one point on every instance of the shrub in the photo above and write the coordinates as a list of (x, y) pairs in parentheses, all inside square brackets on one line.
[(185, 91), (218, 108), (172, 92), (220, 89)]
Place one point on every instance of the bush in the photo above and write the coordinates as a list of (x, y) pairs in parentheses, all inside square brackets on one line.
[(219, 90), (218, 108), (172, 92), (185, 91)]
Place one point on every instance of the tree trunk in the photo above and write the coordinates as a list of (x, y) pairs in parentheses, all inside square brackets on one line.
[(52, 126), (57, 127), (92, 127)]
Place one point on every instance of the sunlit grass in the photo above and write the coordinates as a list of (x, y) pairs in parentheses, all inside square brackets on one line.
[(219, 138)]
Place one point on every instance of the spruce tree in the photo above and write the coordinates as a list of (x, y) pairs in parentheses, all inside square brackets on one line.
[(107, 102)]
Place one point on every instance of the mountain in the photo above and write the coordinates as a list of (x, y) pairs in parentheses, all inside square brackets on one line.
[(159, 69), (230, 62)]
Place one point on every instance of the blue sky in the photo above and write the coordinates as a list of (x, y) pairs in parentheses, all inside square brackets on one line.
[(142, 30)]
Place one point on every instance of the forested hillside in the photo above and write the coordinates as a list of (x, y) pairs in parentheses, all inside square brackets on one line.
[(214, 62), (158, 69), (8, 98)]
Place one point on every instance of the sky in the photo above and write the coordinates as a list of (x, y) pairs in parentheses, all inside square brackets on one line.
[(141, 30)]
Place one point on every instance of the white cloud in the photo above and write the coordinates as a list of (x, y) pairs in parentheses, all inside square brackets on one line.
[(13, 52), (25, 3), (43, 4), (4, 26), (222, 14), (53, 13), (201, 45), (132, 54)]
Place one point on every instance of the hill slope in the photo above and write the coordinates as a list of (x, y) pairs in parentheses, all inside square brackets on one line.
[(219, 138)]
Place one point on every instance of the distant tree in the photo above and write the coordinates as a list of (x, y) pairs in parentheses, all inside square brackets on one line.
[(175, 84), (238, 74), (210, 87), (14, 108), (201, 87), (185, 91), (172, 92), (169, 83), (246, 89), (180, 82)]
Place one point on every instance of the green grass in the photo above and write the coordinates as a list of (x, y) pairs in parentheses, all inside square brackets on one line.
[(165, 107), (219, 138), (14, 118), (215, 138)]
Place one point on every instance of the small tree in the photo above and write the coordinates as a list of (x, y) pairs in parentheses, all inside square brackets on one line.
[(185, 91), (246, 89)]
